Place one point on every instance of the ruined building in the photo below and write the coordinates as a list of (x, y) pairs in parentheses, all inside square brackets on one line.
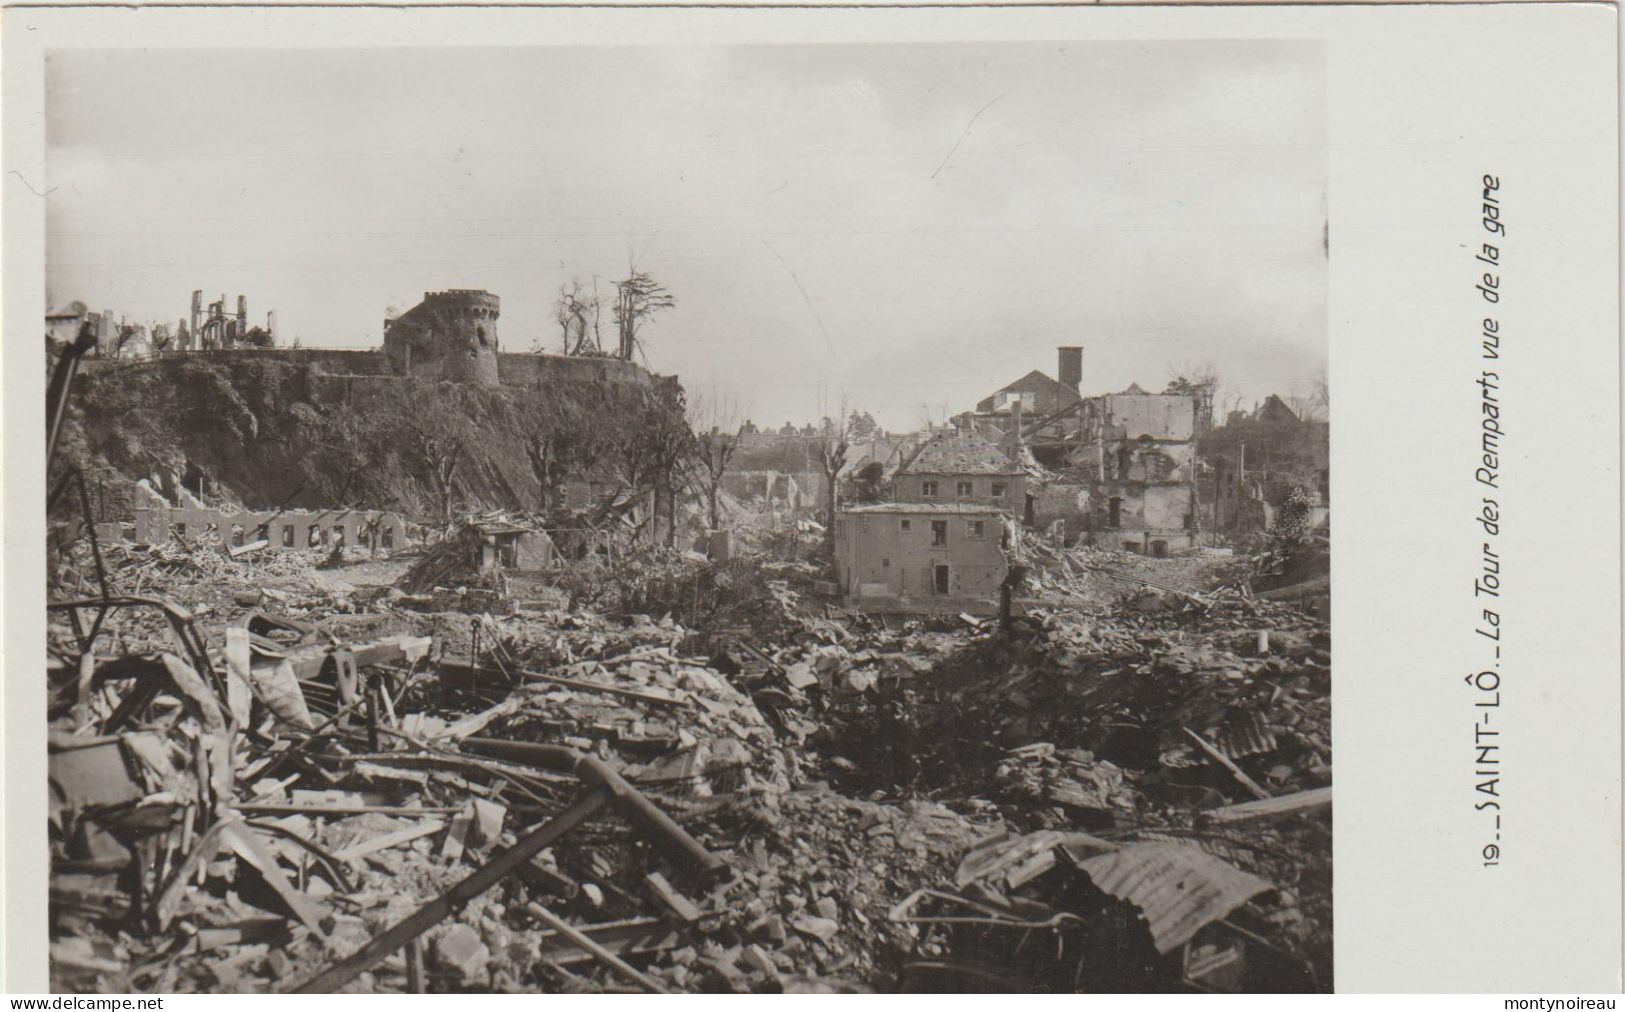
[(899, 551), (450, 335), (1138, 450), (1258, 460), (944, 537), (1122, 466), (215, 329), (62, 323), (955, 468), (1035, 394)]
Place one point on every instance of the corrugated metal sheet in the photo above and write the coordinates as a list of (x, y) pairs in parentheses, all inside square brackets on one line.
[(1179, 889), (1001, 852), (1244, 733)]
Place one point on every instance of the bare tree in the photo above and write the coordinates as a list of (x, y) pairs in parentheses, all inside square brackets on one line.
[(672, 444), (649, 451), (577, 312), (631, 454), (715, 421), (1199, 380), (543, 440), (831, 446), (861, 428), (438, 439), (122, 335), (932, 416), (637, 298), (1311, 401), (1321, 398)]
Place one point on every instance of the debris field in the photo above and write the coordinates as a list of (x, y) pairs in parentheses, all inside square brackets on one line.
[(326, 771)]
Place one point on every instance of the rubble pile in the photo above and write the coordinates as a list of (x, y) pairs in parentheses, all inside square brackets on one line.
[(680, 775), (347, 806)]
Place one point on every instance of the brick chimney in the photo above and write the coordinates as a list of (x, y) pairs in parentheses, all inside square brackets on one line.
[(1070, 366)]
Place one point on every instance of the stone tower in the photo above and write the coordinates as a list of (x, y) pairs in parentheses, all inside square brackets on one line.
[(450, 335)]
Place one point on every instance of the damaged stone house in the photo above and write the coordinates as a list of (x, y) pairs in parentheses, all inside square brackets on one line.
[(1138, 452), (902, 550), (944, 535), (775, 488), (504, 544), (1036, 394), (955, 468)]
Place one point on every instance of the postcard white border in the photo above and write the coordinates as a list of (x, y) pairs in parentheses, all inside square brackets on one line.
[(1423, 101)]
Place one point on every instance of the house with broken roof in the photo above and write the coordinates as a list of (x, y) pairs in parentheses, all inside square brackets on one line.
[(1036, 394), (504, 543), (62, 323), (944, 538), (959, 468)]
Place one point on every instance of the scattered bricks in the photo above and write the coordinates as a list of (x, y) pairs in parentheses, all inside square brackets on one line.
[(488, 818), (457, 834), (459, 950), (821, 928), (770, 928), (757, 958)]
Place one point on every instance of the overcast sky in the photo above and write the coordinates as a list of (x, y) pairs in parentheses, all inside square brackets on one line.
[(910, 225)]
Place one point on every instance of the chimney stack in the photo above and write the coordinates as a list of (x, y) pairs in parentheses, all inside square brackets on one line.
[(1071, 366)]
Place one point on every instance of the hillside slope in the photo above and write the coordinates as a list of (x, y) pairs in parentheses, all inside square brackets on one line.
[(265, 433)]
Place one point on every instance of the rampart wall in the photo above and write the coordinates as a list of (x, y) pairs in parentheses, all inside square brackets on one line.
[(514, 368)]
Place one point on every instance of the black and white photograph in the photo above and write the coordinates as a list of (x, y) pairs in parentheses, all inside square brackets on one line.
[(722, 519), (739, 512)]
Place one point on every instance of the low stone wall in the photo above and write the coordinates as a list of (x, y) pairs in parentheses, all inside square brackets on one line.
[(513, 369), (524, 370)]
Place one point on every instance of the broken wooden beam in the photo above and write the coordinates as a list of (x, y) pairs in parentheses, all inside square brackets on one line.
[(1286, 804), (629, 937), (656, 826), (1224, 760), (438, 909), (603, 955), (357, 851), (252, 849), (274, 809), (464, 666), (673, 900)]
